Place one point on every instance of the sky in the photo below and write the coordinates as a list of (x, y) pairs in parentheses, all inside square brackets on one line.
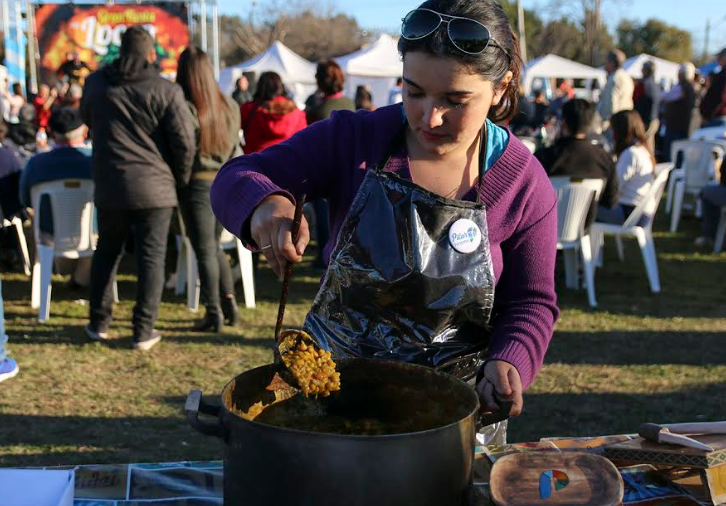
[(690, 15)]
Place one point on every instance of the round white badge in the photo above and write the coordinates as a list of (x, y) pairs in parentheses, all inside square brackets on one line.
[(464, 236)]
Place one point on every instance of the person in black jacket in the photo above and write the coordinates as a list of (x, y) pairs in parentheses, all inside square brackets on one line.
[(710, 105), (143, 148), (577, 156)]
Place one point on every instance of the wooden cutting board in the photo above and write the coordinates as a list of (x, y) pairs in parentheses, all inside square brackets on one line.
[(641, 451), (558, 479)]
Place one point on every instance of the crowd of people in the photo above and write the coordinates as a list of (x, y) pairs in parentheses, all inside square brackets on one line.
[(149, 145), (620, 137), (152, 146)]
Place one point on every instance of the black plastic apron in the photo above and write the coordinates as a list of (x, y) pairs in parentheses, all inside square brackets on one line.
[(396, 288)]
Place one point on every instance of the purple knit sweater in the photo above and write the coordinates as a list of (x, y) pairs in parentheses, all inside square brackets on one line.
[(329, 159)]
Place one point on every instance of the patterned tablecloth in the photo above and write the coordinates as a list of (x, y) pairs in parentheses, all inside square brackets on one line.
[(200, 483)]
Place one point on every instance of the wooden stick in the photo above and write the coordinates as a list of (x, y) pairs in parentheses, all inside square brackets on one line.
[(297, 220)]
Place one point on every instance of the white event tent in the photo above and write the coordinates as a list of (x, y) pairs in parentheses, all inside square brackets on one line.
[(377, 65), (666, 72), (555, 67), (296, 72)]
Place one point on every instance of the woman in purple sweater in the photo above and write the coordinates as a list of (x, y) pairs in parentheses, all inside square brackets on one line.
[(432, 207)]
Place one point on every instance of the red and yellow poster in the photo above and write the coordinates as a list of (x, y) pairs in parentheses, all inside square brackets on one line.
[(94, 32)]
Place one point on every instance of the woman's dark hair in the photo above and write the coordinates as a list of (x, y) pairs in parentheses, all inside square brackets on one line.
[(492, 64), (363, 98), (577, 115), (18, 89), (628, 130), (269, 86), (329, 77), (195, 76)]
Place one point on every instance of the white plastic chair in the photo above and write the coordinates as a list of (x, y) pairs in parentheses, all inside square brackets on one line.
[(574, 197), (71, 203), (677, 173), (644, 235), (22, 243), (699, 158), (188, 273), (720, 231)]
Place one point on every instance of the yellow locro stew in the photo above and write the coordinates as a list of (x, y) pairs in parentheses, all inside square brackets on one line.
[(313, 369)]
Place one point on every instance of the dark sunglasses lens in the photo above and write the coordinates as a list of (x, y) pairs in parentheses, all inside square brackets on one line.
[(418, 24), (468, 35)]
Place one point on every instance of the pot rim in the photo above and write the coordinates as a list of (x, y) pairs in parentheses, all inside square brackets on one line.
[(236, 418)]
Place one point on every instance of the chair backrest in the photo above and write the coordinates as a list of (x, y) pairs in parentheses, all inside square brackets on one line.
[(649, 205), (699, 159), (595, 184), (71, 203), (677, 152), (660, 167), (573, 203)]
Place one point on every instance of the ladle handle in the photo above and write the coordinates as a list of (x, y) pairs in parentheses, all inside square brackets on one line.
[(296, 221)]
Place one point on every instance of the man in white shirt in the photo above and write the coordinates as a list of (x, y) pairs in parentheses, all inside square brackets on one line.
[(395, 94), (618, 92)]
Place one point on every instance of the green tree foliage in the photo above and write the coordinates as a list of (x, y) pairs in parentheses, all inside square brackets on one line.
[(656, 38)]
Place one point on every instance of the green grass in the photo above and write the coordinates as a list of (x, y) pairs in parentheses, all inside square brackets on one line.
[(638, 357)]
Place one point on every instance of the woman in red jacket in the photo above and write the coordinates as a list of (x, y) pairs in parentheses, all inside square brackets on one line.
[(271, 116)]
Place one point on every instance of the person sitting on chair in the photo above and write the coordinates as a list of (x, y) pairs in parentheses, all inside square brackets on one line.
[(577, 156), (636, 164), (71, 159)]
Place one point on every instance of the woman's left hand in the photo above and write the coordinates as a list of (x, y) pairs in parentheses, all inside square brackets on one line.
[(503, 378)]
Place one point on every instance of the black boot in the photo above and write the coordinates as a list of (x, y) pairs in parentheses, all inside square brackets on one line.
[(230, 310), (213, 320)]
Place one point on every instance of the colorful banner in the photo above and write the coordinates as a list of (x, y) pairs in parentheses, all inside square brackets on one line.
[(94, 32)]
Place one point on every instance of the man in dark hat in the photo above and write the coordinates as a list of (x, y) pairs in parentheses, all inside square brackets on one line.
[(70, 159), (143, 148)]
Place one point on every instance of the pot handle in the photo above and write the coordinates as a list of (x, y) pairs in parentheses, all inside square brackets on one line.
[(194, 406), (505, 406)]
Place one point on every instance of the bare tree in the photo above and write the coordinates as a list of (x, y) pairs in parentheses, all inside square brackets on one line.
[(588, 13)]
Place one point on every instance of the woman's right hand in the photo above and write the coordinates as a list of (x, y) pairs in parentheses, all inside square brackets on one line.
[(270, 228)]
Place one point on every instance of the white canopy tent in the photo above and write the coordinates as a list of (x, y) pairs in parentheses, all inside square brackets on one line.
[(296, 72), (666, 72), (552, 66), (377, 65)]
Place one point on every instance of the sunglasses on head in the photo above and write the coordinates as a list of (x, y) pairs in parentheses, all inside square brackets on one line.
[(467, 35)]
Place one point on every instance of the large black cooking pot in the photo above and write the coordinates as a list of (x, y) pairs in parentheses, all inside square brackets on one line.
[(424, 456)]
